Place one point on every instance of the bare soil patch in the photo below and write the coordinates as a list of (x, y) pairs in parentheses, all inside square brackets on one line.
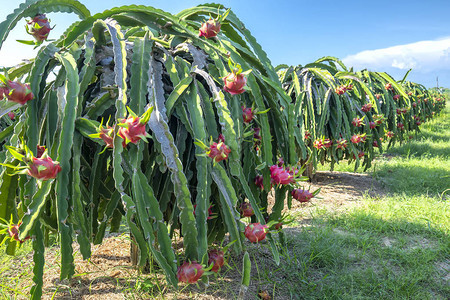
[(339, 191)]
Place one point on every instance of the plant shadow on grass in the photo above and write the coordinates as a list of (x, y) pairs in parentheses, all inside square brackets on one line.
[(409, 178), (351, 257), (424, 149)]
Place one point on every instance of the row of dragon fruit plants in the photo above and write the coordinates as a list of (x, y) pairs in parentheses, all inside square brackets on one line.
[(346, 115), (179, 124)]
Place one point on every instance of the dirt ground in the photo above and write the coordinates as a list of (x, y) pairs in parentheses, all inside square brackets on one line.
[(109, 274), (338, 191)]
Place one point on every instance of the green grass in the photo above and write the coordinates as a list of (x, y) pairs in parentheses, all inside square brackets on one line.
[(14, 271)]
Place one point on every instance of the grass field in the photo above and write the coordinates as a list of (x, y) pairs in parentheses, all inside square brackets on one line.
[(394, 245)]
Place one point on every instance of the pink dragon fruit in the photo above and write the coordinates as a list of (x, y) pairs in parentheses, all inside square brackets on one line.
[(279, 175), (209, 28), (18, 92), (255, 232), (367, 107), (301, 195), (39, 27), (190, 272), (259, 181), (247, 114), (216, 257), (246, 210), (43, 168)]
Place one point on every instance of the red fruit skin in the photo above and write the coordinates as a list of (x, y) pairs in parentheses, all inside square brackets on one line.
[(11, 115), (361, 154), (221, 138), (372, 125), (388, 87), (255, 232), (307, 135), (210, 212), (318, 144), (357, 122), (219, 153), (257, 134), (106, 134), (135, 130), (389, 134), (378, 119), (3, 92), (209, 29), (246, 210), (51, 171), (40, 34), (13, 232), (40, 151), (400, 126), (278, 226), (340, 90), (19, 92), (190, 272), (234, 84), (327, 143), (355, 139), (301, 195), (280, 162), (259, 181), (366, 107), (342, 144), (377, 96), (279, 175), (375, 143), (396, 97), (216, 258), (247, 114)]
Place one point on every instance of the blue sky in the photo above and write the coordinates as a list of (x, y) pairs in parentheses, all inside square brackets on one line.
[(389, 36)]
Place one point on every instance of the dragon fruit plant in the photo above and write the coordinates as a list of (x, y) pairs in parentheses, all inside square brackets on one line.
[(175, 138), (324, 107), (184, 90)]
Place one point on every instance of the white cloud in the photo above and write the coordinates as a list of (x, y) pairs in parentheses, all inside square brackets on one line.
[(423, 56)]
